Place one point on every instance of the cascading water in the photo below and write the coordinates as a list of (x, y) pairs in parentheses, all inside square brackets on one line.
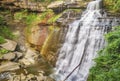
[(84, 38)]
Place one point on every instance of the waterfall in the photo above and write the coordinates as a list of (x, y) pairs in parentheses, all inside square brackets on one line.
[(83, 39)]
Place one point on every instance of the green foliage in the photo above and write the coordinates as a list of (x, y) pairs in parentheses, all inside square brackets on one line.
[(26, 17), (43, 15), (4, 30), (54, 18), (2, 40), (19, 15), (6, 33), (3, 51), (30, 18), (112, 5), (107, 66)]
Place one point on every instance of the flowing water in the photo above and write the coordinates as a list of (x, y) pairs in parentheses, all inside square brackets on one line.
[(84, 38)]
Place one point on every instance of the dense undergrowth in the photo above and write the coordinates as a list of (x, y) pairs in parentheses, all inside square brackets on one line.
[(107, 66), (112, 5), (5, 33)]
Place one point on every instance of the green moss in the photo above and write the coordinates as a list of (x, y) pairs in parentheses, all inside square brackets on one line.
[(54, 18), (3, 51), (43, 15), (30, 18)]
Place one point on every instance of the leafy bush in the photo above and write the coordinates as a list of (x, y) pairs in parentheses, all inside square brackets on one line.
[(107, 66), (112, 5)]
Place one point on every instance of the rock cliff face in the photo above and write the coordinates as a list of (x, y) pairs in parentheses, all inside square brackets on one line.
[(41, 39), (22, 4), (38, 35), (56, 36), (47, 37)]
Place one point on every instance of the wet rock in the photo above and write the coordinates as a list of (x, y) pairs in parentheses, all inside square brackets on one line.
[(9, 56), (52, 44), (4, 75), (9, 66), (9, 45), (12, 56), (49, 79), (69, 16)]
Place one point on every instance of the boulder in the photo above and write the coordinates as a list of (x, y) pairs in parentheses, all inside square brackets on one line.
[(29, 57), (9, 45), (18, 55), (55, 4), (9, 56), (12, 56), (9, 66)]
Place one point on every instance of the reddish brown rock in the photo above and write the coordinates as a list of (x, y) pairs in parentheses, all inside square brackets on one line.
[(37, 35)]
